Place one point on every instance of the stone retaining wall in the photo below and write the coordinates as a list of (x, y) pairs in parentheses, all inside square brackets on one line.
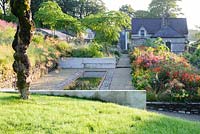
[(9, 81), (187, 108), (87, 63)]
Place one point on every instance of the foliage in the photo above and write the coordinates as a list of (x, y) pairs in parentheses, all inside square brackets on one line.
[(81, 8), (142, 14), (35, 5), (158, 8), (167, 76), (69, 24), (64, 48), (6, 32), (49, 13), (128, 10), (40, 50), (194, 35), (86, 83), (107, 26), (4, 6), (59, 115), (92, 50), (194, 58), (156, 43)]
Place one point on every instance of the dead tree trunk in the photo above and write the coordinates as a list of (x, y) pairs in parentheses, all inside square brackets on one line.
[(22, 39)]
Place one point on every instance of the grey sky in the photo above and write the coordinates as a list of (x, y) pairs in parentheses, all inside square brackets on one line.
[(190, 8)]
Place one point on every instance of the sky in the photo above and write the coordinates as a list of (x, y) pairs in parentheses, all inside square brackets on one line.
[(190, 8)]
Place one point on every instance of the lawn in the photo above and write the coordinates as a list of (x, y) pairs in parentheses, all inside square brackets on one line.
[(59, 115)]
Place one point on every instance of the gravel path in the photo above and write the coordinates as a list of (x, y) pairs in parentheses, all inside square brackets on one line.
[(179, 115)]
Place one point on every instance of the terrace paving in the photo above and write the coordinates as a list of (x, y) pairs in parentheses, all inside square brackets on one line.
[(116, 79), (56, 80), (122, 75)]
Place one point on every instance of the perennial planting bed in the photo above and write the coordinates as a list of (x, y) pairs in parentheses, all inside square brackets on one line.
[(165, 76)]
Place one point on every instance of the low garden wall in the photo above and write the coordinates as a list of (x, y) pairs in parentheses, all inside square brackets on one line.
[(187, 108), (131, 98), (87, 63)]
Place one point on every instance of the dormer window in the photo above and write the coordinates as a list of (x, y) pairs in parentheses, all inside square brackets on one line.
[(142, 32)]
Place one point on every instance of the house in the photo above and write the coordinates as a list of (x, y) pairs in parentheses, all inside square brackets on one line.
[(173, 31), (88, 35)]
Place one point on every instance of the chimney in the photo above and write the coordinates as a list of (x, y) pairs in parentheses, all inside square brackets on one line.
[(165, 17), (163, 21)]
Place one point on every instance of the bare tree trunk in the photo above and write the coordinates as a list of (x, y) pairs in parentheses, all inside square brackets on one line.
[(22, 39)]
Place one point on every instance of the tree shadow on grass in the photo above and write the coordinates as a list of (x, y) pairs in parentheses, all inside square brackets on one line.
[(9, 98)]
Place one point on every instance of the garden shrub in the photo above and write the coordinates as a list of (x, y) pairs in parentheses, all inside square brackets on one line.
[(40, 50), (6, 35), (95, 50), (38, 38), (81, 52), (92, 50), (195, 58), (165, 76), (115, 52), (64, 48)]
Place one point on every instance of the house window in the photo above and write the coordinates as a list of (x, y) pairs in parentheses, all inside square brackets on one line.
[(169, 45), (142, 33)]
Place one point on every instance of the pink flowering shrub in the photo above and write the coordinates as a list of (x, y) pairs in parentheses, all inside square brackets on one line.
[(165, 76), (4, 25), (7, 32)]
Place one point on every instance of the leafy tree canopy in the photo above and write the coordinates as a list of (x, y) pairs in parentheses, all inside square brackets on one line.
[(169, 8), (4, 6), (51, 14), (142, 14), (128, 10), (81, 8), (35, 5), (107, 25), (70, 24)]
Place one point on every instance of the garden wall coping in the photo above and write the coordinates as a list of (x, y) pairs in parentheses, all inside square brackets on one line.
[(107, 62), (131, 98)]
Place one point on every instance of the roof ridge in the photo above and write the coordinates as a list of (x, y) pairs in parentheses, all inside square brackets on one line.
[(153, 25)]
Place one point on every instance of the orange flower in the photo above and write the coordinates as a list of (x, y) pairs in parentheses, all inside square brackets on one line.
[(156, 69)]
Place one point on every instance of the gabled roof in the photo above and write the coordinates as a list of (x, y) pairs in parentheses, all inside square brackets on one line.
[(167, 32), (154, 25)]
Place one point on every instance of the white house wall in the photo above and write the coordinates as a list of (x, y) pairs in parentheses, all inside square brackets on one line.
[(177, 44)]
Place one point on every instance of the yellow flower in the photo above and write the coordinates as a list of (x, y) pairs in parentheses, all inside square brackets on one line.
[(198, 91)]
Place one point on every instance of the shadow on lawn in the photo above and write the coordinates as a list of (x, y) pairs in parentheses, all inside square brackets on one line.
[(9, 98)]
